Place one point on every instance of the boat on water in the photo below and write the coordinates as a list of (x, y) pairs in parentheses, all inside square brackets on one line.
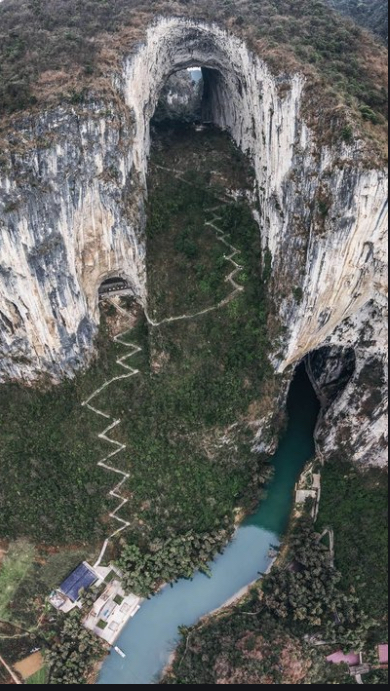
[(119, 651)]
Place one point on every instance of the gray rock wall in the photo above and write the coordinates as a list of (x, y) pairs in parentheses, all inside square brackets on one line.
[(72, 194)]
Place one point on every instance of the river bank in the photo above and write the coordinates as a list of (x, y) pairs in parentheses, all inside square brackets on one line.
[(240, 596), (152, 636)]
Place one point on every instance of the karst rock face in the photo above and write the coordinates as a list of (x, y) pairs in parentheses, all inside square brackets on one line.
[(72, 214)]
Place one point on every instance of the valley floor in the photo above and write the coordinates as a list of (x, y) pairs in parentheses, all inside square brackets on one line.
[(187, 423)]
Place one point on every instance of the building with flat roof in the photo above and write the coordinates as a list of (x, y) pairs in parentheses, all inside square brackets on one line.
[(80, 580), (112, 608), (67, 596), (111, 611)]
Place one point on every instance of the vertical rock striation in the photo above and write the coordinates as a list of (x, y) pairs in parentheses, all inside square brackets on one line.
[(72, 214), (68, 216)]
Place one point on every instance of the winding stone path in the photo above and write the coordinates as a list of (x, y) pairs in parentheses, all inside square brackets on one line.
[(221, 236), (105, 435), (103, 463)]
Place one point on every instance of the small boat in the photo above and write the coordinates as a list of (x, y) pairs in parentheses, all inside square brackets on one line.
[(119, 651)]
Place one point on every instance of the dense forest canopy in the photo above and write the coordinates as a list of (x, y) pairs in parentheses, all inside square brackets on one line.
[(373, 14)]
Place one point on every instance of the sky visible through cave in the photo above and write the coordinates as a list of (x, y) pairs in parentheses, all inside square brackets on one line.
[(196, 72)]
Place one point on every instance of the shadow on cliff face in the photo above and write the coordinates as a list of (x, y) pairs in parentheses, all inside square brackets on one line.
[(330, 370), (192, 96), (181, 99)]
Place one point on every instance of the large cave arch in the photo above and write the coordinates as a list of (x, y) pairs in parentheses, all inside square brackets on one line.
[(318, 247), (260, 112), (173, 46), (83, 216)]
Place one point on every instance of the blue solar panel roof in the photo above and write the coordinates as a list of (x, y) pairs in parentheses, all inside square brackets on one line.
[(82, 577)]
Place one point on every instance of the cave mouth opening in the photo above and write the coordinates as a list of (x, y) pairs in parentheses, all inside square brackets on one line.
[(114, 285), (330, 369), (318, 381), (191, 96)]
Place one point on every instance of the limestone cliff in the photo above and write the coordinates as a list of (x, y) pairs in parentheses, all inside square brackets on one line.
[(71, 216), (72, 191)]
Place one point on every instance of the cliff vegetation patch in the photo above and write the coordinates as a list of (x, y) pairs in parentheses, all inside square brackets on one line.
[(65, 51)]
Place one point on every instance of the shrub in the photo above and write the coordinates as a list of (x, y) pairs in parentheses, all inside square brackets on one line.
[(368, 114), (347, 134), (298, 294)]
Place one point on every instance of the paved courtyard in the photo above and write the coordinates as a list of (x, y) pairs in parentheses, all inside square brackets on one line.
[(111, 612)]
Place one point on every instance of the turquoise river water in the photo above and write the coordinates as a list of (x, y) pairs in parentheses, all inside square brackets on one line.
[(149, 639)]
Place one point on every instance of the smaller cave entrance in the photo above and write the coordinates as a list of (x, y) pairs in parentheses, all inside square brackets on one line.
[(115, 285)]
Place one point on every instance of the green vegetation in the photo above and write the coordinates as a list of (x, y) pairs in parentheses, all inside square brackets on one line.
[(377, 677), (62, 50), (178, 557), (246, 645), (308, 594), (354, 504), (298, 294), (347, 134), (372, 14), (110, 577), (15, 567), (177, 231), (239, 649), (38, 678), (51, 490), (72, 652)]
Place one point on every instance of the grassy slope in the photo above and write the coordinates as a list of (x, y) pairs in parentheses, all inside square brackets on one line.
[(14, 569), (53, 50), (51, 489), (38, 678), (197, 376)]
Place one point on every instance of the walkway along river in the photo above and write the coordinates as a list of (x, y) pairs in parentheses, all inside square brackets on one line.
[(149, 638)]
